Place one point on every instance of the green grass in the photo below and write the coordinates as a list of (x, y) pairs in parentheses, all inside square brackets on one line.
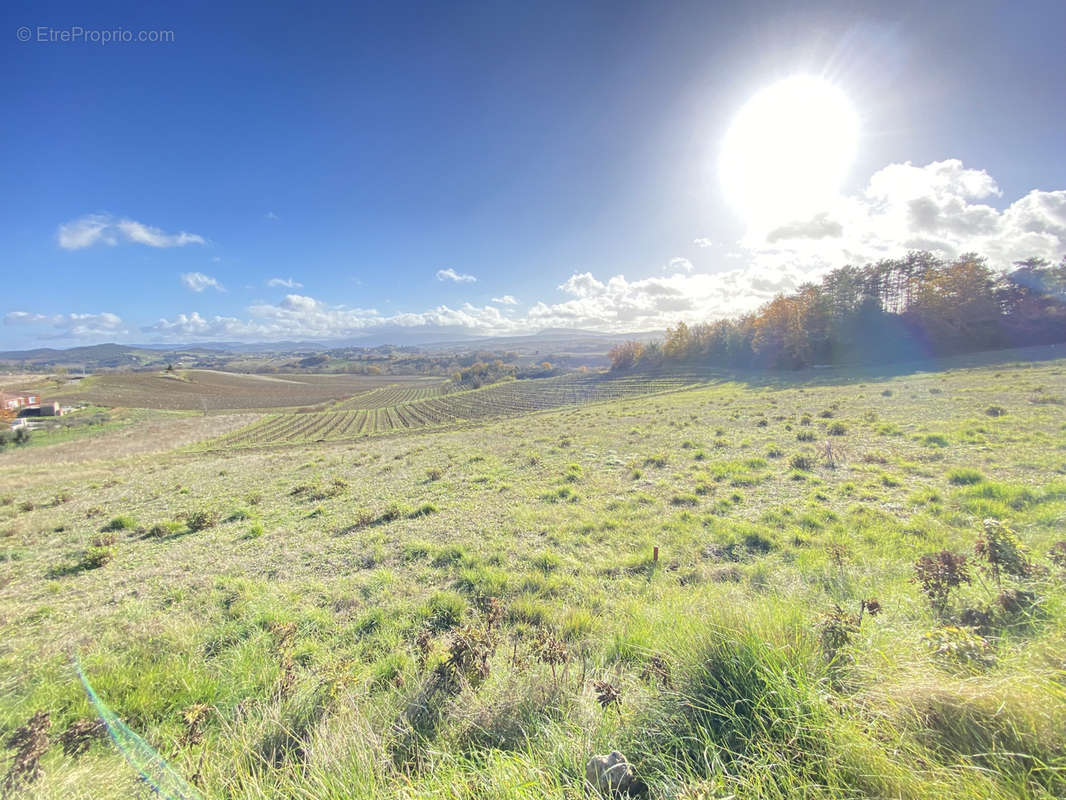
[(277, 622)]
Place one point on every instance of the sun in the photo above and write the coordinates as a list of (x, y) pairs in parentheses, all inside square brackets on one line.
[(788, 150)]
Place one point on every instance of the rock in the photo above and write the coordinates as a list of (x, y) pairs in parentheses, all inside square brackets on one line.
[(611, 775)]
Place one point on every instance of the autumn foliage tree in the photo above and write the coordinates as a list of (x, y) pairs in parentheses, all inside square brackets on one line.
[(892, 310)]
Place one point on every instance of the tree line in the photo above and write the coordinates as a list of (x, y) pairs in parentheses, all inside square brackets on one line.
[(892, 310)]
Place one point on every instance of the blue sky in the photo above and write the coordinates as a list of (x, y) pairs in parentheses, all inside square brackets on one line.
[(346, 171)]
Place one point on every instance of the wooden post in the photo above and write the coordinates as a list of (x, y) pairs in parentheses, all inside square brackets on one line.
[(655, 555)]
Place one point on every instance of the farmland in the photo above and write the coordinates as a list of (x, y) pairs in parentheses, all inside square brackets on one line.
[(472, 608), (405, 408), (208, 390)]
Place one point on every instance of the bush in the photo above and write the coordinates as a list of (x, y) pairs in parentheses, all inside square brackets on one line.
[(123, 523), (96, 557), (802, 461), (995, 411), (837, 429), (805, 436), (163, 529), (202, 520)]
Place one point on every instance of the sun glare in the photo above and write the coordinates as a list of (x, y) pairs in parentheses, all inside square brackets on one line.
[(788, 150)]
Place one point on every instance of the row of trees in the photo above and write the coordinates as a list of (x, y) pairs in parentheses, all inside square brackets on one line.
[(893, 310)]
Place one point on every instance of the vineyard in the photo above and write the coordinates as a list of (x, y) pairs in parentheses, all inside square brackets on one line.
[(402, 408), (210, 390), (393, 395)]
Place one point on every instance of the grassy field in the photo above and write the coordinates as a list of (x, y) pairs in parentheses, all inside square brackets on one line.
[(473, 613)]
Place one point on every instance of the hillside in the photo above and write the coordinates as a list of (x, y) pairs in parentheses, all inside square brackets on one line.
[(473, 612)]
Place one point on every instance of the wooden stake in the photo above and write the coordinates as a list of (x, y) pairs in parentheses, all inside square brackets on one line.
[(655, 554)]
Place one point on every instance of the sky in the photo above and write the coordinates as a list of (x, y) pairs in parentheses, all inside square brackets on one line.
[(343, 172)]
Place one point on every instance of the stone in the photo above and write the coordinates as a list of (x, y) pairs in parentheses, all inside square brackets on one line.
[(610, 774)]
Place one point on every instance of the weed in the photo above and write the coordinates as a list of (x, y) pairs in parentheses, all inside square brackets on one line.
[(964, 476), (960, 645), (124, 523), (201, 520), (939, 575), (1000, 551), (30, 742)]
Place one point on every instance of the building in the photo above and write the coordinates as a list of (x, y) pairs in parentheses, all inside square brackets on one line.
[(52, 409)]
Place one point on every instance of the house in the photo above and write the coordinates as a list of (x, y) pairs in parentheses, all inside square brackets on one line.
[(13, 402), (52, 409)]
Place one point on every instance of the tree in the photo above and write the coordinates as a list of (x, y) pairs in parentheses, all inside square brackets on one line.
[(625, 355)]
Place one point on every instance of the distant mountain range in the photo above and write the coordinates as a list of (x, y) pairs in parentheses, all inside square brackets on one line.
[(112, 355)]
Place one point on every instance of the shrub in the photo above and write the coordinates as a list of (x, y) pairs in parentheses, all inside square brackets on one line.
[(255, 530), (995, 411), (805, 436), (163, 529), (239, 514), (837, 429), (96, 557), (394, 511), (802, 461), (201, 520), (123, 523), (434, 474)]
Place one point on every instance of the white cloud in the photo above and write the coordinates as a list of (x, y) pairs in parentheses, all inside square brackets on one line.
[(703, 242), (197, 282), (103, 229), (942, 206), (287, 283), (817, 227), (77, 326), (679, 264), (298, 316), (271, 216), (451, 275), (583, 285)]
